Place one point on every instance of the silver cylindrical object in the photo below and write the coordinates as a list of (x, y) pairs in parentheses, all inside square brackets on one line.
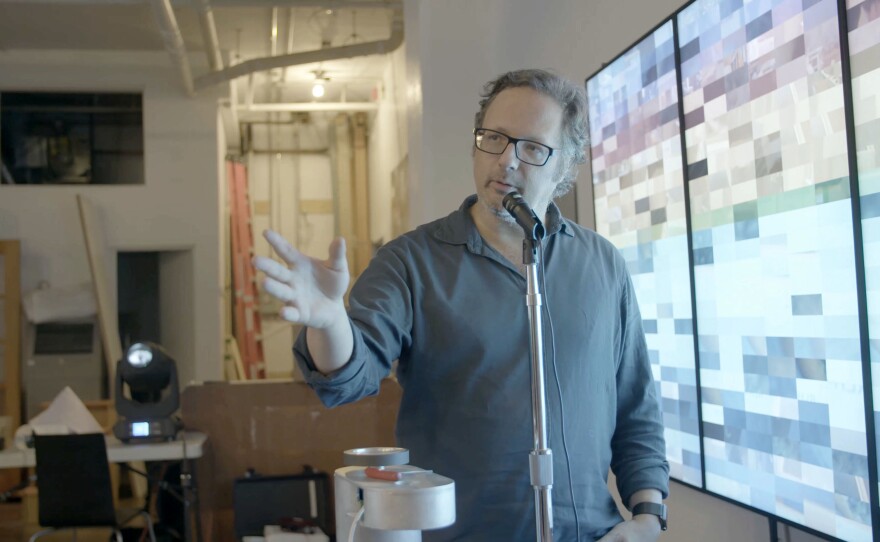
[(377, 456), (399, 501)]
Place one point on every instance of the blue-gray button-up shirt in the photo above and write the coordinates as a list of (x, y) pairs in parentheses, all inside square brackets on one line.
[(453, 311)]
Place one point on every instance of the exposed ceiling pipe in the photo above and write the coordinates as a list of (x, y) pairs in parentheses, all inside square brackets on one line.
[(308, 57), (274, 37), (249, 91), (308, 106), (289, 48), (234, 122), (330, 4), (209, 34), (335, 4), (215, 61), (215, 58), (174, 42)]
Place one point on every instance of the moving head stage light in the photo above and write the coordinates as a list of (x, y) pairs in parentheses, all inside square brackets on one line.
[(146, 413)]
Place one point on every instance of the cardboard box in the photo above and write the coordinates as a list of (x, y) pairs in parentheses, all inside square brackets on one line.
[(275, 428)]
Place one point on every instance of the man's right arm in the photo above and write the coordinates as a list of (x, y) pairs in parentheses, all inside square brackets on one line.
[(331, 347), (312, 293)]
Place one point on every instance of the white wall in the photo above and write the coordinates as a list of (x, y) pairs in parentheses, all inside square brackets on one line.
[(453, 48), (387, 143), (176, 209)]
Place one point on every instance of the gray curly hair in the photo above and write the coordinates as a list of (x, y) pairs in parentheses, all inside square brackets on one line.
[(573, 100)]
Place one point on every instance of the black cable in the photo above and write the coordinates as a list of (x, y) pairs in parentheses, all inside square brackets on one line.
[(10, 494), (577, 523)]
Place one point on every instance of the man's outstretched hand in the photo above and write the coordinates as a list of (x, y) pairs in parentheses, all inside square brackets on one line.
[(311, 290)]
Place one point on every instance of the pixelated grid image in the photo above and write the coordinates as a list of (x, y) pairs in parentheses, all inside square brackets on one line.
[(639, 201), (772, 244), (863, 22), (775, 280)]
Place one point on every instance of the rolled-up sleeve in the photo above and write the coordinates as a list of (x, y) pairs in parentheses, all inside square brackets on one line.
[(638, 445), (380, 314)]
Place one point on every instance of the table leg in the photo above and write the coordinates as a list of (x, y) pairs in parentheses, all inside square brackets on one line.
[(191, 517)]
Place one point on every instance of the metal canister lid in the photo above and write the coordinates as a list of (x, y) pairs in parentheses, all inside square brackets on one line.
[(377, 456)]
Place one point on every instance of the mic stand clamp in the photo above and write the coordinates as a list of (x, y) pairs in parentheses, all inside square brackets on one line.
[(541, 457)]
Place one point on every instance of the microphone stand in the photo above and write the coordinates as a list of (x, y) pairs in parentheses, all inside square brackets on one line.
[(541, 457)]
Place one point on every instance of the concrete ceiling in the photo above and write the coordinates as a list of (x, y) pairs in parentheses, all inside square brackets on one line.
[(244, 30)]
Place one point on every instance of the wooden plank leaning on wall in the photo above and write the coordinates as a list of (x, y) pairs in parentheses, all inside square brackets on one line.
[(10, 347)]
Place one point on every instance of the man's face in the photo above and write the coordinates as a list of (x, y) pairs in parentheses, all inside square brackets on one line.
[(523, 113)]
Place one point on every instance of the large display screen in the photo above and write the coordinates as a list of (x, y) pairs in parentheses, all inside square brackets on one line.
[(775, 283), (640, 207), (863, 18), (765, 249)]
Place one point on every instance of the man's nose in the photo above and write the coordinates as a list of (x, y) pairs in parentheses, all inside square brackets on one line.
[(508, 157)]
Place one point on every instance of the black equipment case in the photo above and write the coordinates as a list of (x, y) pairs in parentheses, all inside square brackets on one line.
[(294, 501)]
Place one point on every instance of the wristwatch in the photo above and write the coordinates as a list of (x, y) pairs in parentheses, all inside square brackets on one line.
[(653, 508)]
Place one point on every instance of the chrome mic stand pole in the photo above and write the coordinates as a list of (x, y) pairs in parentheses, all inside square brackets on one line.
[(541, 458)]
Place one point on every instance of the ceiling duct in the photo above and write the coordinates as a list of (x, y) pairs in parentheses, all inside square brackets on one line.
[(309, 106), (174, 41), (309, 57), (209, 34)]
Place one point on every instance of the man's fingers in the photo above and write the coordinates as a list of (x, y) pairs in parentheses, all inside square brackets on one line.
[(337, 260), (284, 249), (291, 314), (272, 268), (280, 291), (287, 295)]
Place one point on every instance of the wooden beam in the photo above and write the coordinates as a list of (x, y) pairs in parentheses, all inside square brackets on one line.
[(345, 191), (360, 181), (262, 207), (10, 263), (316, 206), (108, 318)]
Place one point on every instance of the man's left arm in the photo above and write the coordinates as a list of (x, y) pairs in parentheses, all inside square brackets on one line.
[(638, 446)]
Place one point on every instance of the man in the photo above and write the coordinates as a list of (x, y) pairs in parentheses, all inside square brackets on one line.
[(448, 301)]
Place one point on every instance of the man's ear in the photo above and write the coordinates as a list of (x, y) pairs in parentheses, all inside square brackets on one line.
[(566, 171)]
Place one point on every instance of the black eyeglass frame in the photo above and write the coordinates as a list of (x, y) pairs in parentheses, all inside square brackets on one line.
[(514, 141)]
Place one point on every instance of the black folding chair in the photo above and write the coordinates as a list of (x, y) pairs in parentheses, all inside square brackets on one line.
[(74, 488)]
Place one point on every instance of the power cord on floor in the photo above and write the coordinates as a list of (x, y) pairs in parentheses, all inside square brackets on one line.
[(10, 494)]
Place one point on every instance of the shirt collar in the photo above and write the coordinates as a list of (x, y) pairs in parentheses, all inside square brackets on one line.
[(459, 227)]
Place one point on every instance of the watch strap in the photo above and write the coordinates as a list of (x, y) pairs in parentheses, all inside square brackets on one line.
[(653, 508)]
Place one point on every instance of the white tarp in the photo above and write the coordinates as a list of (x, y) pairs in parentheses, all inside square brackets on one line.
[(47, 304), (65, 415)]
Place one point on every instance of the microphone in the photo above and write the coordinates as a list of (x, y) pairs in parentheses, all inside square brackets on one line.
[(524, 215)]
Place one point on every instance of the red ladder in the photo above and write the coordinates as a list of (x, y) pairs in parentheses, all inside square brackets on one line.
[(247, 325)]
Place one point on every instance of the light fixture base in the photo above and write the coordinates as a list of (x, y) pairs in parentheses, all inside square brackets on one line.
[(154, 430)]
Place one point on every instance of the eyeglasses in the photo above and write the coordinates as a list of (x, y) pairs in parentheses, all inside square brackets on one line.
[(526, 150)]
